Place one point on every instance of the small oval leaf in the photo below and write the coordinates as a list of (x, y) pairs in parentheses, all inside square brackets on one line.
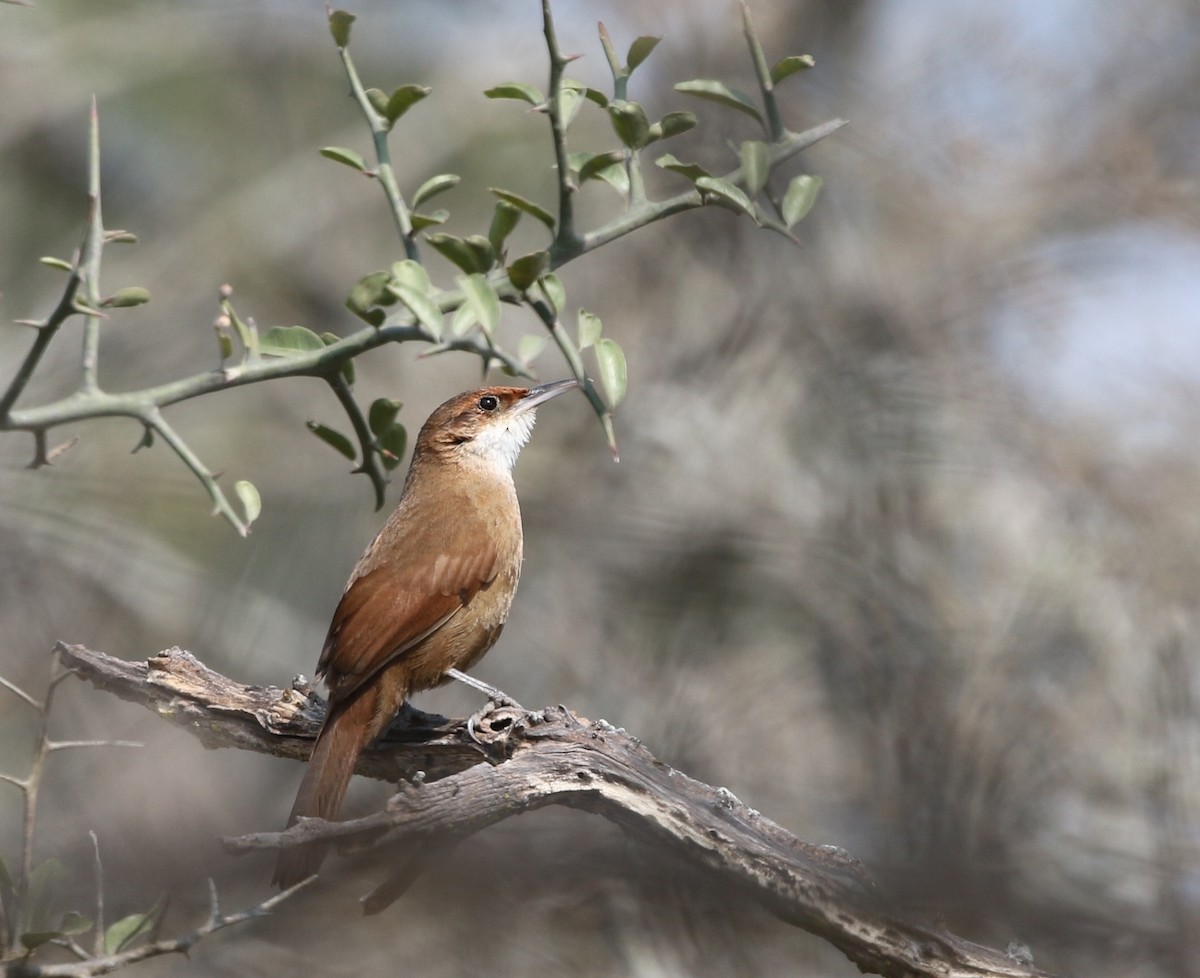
[(282, 341), (334, 438), (629, 122), (590, 328), (756, 164), (345, 156), (378, 99), (528, 206), (403, 99), (421, 306), (517, 90), (422, 221), (552, 289), (639, 51), (672, 124), (726, 192), (250, 499), (613, 372), (368, 292), (52, 262), (528, 269), (693, 171), (504, 219), (124, 298), (435, 185), (719, 92), (594, 163), (382, 414), (483, 300), (339, 27), (391, 446), (413, 274), (455, 249), (800, 197), (790, 65)]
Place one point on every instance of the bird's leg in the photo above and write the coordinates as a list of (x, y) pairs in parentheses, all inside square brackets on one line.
[(491, 692)]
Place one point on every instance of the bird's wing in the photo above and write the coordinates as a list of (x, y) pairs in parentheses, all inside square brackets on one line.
[(390, 609)]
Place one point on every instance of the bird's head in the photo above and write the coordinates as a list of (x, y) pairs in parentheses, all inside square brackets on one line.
[(491, 424)]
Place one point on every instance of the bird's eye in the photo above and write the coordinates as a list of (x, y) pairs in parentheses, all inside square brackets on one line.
[(489, 402)]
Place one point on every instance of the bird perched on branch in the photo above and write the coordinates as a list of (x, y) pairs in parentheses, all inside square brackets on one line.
[(431, 593)]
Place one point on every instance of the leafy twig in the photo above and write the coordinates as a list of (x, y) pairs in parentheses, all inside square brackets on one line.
[(566, 240)]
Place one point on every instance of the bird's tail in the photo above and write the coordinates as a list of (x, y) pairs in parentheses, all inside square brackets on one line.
[(324, 786)]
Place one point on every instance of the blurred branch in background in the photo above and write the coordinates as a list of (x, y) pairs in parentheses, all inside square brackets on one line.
[(31, 913)]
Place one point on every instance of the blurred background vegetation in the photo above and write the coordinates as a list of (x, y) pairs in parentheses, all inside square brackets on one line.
[(902, 547)]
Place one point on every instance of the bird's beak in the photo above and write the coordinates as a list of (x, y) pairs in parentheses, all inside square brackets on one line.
[(542, 393)]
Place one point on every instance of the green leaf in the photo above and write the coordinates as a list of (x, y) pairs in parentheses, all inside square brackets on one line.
[(120, 237), (613, 373), (570, 100), (391, 446), (339, 27), (790, 65), (756, 164), (517, 90), (250, 499), (457, 250), (481, 248), (74, 924), (617, 177), (370, 291), (346, 156), (283, 341), (132, 295), (483, 300), (596, 96), (36, 938), (334, 438), (504, 219), (421, 306), (129, 929), (43, 883), (725, 191), (422, 221), (672, 124), (464, 319), (590, 329), (639, 51), (629, 122), (552, 289), (413, 274), (530, 345), (382, 414), (528, 206), (595, 162), (528, 269), (800, 197), (377, 99), (401, 100), (693, 171), (719, 92), (53, 262), (435, 185)]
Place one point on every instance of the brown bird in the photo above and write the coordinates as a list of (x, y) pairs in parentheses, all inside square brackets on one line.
[(431, 593)]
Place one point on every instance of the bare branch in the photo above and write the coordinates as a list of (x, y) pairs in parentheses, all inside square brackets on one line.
[(541, 758)]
